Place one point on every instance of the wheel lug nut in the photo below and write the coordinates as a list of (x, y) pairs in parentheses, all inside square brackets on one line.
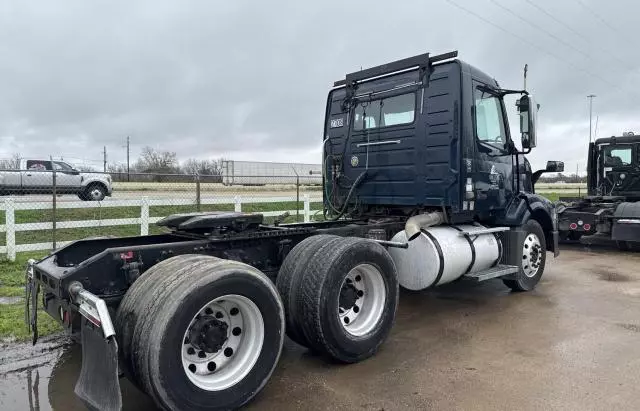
[(191, 351)]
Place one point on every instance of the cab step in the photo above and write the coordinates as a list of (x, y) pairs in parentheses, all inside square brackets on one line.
[(499, 270)]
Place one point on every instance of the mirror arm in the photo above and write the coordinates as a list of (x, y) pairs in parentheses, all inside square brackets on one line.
[(535, 176)]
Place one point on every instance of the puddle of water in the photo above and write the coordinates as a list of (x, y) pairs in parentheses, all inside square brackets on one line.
[(42, 378)]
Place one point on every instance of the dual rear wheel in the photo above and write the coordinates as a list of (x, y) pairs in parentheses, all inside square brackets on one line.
[(340, 296)]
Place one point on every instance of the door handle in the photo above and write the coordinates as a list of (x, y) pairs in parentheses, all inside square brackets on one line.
[(28, 175)]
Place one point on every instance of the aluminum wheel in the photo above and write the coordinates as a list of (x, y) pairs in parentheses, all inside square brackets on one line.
[(223, 342), (362, 299), (95, 194), (531, 255)]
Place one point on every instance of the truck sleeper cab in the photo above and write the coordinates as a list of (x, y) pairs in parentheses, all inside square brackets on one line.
[(422, 186)]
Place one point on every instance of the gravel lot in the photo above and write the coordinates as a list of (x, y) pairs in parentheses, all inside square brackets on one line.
[(572, 344)]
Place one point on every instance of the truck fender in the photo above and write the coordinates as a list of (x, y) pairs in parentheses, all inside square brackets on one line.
[(86, 181), (531, 206)]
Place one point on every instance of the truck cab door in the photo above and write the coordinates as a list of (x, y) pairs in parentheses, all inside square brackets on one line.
[(66, 176), (493, 162)]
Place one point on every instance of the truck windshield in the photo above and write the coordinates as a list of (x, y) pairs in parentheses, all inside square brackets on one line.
[(617, 156), (386, 112)]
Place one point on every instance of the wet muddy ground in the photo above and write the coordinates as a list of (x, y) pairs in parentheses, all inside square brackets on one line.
[(572, 344)]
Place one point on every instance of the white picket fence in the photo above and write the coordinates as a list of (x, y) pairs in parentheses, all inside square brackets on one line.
[(10, 206)]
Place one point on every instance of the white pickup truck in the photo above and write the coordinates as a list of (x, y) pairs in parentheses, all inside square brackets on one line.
[(36, 177)]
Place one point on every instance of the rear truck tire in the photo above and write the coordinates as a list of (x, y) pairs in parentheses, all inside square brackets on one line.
[(348, 299), (289, 277), (207, 333), (534, 257), (93, 192), (137, 298)]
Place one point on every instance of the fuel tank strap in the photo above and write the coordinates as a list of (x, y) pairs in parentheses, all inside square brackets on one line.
[(500, 251), (473, 249), (440, 255)]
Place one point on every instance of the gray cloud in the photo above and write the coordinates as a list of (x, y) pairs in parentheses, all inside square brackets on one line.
[(248, 80)]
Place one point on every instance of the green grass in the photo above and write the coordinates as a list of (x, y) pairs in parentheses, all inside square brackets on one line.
[(12, 323), (12, 315), (554, 196)]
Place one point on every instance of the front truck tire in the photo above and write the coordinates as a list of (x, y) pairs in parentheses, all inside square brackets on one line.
[(533, 258), (346, 301), (201, 333)]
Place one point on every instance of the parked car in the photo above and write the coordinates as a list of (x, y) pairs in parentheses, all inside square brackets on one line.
[(37, 177)]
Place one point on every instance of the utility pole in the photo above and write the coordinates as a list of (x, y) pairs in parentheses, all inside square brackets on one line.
[(590, 97), (104, 159), (128, 173)]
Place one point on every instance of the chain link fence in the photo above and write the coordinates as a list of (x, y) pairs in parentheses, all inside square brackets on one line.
[(42, 209)]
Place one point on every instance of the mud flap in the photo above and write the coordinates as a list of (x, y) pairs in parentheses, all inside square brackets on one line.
[(98, 385), (32, 288)]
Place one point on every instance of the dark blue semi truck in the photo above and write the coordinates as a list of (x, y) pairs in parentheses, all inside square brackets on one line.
[(423, 185)]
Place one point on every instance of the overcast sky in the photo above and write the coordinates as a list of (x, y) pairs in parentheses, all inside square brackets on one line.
[(248, 80)]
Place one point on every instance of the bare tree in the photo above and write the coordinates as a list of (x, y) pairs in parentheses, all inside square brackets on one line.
[(203, 167), (12, 163), (161, 162)]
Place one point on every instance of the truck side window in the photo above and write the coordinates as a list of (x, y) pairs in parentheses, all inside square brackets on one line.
[(38, 165), (616, 156), (59, 165), (387, 112), (489, 120)]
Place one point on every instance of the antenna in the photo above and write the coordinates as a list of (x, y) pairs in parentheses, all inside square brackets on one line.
[(526, 68)]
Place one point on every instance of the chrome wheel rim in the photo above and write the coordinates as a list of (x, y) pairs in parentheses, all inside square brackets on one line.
[(531, 255), (222, 342), (95, 194), (362, 298)]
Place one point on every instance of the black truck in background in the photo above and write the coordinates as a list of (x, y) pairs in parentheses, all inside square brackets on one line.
[(611, 211)]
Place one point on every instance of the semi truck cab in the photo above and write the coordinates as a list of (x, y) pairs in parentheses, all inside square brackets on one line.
[(431, 133)]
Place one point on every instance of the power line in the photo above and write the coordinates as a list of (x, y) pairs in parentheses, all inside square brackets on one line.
[(597, 16), (524, 40), (553, 36), (578, 34)]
